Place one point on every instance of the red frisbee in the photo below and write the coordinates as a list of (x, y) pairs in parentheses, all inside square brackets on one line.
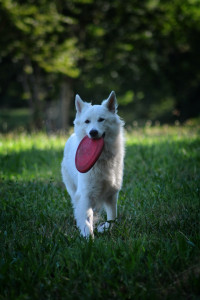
[(88, 153)]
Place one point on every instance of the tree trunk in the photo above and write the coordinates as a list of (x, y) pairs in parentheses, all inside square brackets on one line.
[(35, 79), (66, 99), (31, 82)]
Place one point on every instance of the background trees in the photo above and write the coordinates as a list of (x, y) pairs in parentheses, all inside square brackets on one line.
[(147, 51)]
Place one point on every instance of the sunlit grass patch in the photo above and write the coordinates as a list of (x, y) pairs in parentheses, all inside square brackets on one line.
[(35, 156)]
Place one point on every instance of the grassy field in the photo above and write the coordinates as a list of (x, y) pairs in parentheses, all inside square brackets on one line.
[(152, 252)]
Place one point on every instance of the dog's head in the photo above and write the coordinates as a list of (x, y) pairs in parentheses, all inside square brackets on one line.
[(96, 121)]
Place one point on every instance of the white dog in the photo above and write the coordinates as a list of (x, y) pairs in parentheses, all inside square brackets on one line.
[(99, 187)]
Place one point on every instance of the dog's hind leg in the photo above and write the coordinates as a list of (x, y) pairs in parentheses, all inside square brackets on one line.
[(89, 221), (111, 211), (111, 207)]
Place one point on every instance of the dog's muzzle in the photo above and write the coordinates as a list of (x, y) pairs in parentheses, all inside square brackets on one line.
[(94, 134)]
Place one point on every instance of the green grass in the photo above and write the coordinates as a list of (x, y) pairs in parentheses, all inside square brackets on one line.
[(153, 250)]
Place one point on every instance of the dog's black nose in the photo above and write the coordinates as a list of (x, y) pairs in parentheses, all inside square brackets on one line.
[(93, 133)]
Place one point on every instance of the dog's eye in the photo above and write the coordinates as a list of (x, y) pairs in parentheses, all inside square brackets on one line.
[(101, 119), (87, 121)]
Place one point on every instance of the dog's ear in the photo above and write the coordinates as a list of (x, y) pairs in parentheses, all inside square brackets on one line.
[(111, 102), (79, 103)]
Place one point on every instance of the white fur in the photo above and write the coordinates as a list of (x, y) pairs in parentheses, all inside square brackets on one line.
[(99, 187)]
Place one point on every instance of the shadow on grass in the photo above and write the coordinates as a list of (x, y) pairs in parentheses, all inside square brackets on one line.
[(34, 209)]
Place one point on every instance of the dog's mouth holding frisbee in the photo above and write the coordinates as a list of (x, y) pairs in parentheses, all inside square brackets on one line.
[(88, 152), (94, 135)]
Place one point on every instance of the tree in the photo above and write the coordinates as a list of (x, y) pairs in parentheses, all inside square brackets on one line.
[(147, 49), (39, 44)]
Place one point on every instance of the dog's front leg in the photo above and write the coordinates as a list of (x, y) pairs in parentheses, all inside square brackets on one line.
[(84, 215), (111, 211)]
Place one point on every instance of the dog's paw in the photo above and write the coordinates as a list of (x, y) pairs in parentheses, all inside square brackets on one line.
[(103, 227), (87, 231)]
